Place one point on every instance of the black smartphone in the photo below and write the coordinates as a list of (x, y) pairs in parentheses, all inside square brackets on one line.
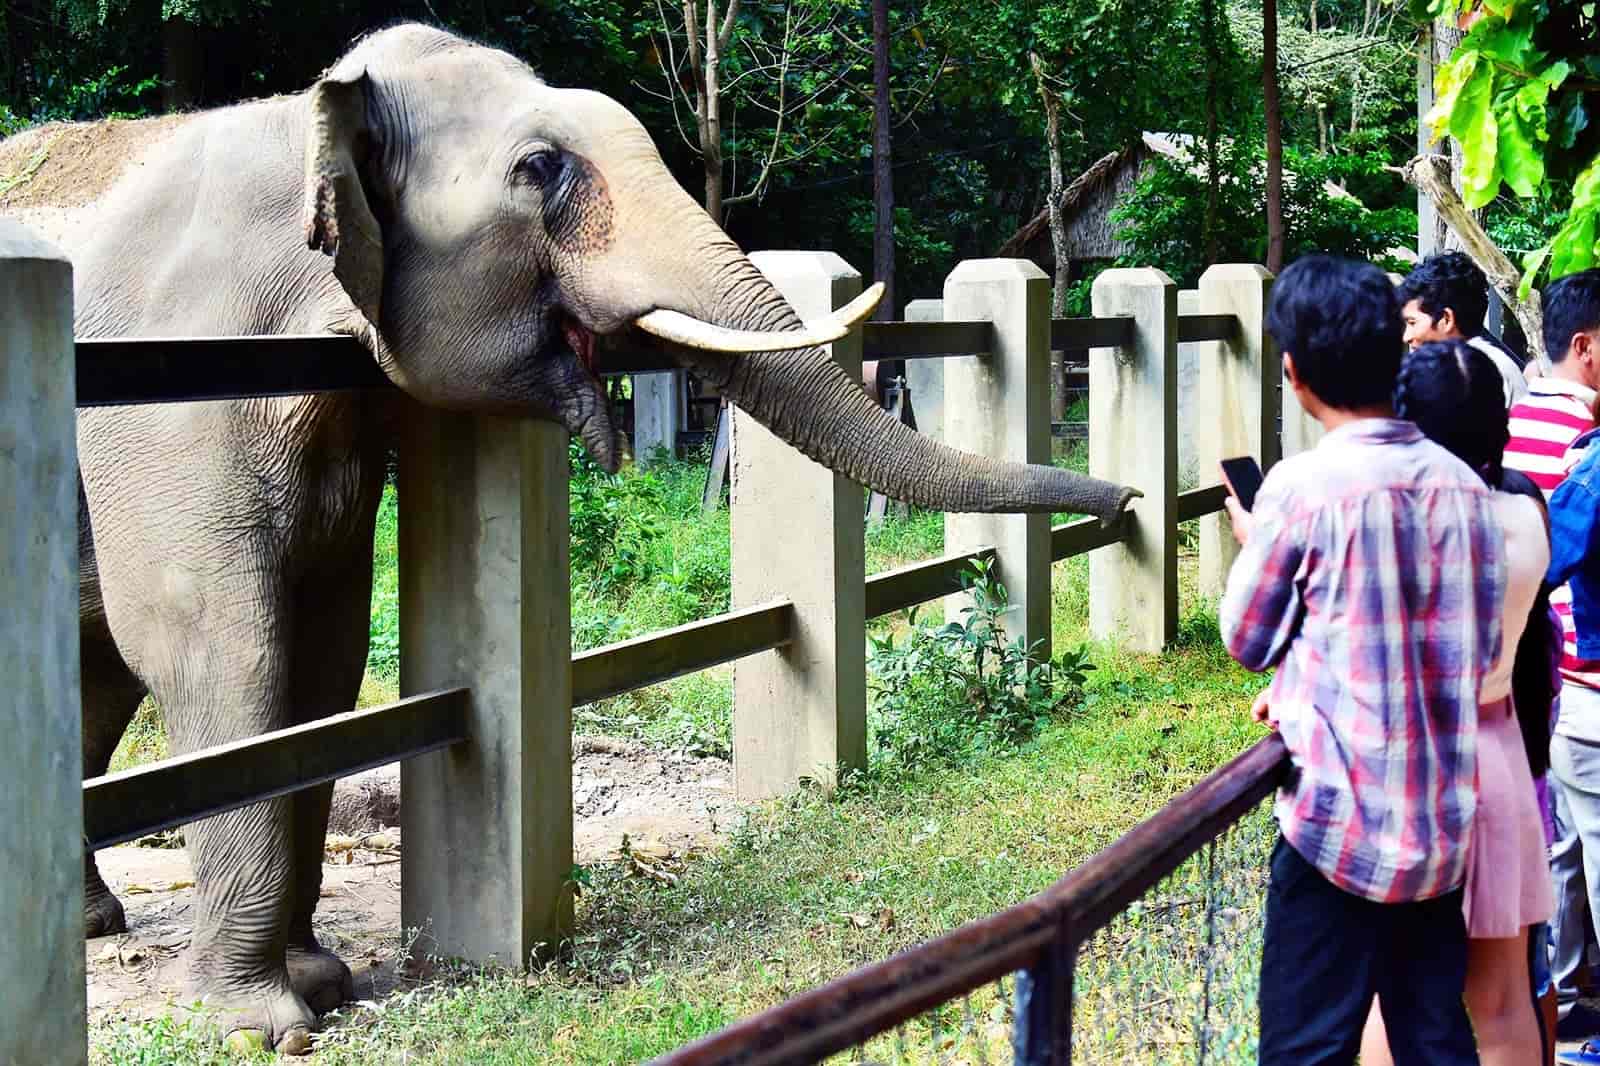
[(1243, 478)]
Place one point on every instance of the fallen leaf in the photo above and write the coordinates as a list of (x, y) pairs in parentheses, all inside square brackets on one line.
[(176, 885), (860, 921), (383, 840), (886, 919), (137, 890), (339, 843)]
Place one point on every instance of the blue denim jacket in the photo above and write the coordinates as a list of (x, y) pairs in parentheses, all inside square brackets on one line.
[(1575, 543)]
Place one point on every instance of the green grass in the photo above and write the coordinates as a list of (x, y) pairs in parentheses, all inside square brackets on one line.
[(801, 892)]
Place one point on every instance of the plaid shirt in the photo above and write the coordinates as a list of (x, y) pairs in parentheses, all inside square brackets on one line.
[(1373, 579)]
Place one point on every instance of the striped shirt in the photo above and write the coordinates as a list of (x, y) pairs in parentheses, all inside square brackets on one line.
[(1372, 578), (1543, 426)]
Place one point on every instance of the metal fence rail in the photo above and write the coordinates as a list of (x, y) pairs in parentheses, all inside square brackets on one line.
[(1046, 942)]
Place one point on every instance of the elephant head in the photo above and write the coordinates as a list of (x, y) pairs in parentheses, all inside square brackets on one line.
[(489, 226)]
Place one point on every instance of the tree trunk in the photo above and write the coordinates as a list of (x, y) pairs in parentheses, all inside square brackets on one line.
[(1446, 36), (882, 171), (180, 64), (1274, 116), (711, 118), (1208, 235), (1058, 184)]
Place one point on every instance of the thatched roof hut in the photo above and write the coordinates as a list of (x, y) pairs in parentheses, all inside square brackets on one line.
[(1086, 205)]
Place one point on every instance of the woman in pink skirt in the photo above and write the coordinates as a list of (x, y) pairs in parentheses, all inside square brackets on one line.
[(1454, 394)]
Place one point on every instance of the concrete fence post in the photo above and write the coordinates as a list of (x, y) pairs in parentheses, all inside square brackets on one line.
[(658, 405), (484, 602), (797, 532), (1238, 397), (1133, 440), (999, 405), (925, 377), (42, 995)]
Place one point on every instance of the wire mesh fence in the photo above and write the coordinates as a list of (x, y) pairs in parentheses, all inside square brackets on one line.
[(1173, 978)]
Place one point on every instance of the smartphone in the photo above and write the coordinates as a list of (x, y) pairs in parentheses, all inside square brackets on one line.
[(1243, 478)]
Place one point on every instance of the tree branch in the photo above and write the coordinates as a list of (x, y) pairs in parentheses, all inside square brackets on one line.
[(1430, 175), (726, 32)]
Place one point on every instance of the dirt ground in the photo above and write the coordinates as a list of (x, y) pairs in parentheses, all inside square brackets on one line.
[(659, 800)]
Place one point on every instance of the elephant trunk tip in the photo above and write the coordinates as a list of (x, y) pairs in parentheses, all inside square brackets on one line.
[(1125, 497)]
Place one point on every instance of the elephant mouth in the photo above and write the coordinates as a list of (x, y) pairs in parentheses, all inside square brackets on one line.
[(589, 418)]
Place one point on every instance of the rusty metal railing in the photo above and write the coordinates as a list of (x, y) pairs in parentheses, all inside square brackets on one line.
[(1112, 930)]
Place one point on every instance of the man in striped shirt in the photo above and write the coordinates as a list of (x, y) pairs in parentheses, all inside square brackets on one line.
[(1558, 409)]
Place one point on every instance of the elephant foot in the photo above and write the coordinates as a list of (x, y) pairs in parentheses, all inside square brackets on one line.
[(320, 977), (258, 1017), (102, 913)]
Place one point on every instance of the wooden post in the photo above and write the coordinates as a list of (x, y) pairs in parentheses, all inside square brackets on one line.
[(925, 377), (1133, 409), (1238, 399), (999, 405), (658, 402), (797, 531), (484, 602), (1301, 432), (41, 712)]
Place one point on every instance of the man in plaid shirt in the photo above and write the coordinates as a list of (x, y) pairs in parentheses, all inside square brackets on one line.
[(1371, 576)]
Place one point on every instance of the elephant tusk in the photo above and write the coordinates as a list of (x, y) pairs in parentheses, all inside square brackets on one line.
[(696, 333)]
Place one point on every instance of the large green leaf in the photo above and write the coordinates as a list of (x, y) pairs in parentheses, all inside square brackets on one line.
[(1573, 248), (1509, 42), (1447, 90), (1472, 122), (1520, 119), (1531, 265)]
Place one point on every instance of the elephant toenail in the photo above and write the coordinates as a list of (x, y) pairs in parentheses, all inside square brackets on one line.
[(297, 1041)]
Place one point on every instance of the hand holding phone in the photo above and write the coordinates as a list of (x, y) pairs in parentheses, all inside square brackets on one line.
[(1243, 478)]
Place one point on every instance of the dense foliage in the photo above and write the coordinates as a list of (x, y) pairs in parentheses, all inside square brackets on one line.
[(1517, 96)]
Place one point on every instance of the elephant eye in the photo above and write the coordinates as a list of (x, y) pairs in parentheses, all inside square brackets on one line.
[(540, 166)]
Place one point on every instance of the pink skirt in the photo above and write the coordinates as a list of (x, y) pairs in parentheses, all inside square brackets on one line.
[(1508, 875)]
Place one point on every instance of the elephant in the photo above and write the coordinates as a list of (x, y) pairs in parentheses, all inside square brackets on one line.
[(477, 230)]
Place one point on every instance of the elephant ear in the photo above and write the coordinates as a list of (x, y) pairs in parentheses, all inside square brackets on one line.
[(338, 219)]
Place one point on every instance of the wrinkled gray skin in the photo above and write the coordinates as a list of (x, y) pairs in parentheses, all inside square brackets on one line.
[(472, 226)]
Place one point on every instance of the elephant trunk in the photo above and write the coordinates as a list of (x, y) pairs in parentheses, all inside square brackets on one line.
[(808, 400)]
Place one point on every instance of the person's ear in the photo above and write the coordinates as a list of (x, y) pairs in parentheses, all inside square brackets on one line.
[(1446, 322), (1289, 371)]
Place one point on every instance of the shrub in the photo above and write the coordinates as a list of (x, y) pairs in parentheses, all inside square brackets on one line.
[(615, 522), (948, 693)]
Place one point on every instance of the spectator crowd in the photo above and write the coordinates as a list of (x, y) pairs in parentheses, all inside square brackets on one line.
[(1426, 584)]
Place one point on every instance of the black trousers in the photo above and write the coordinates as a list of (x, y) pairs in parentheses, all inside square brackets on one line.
[(1327, 952)]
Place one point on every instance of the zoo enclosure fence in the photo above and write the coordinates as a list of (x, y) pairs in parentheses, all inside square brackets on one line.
[(484, 730)]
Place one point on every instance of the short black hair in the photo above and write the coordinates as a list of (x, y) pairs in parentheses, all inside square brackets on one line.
[(1455, 395), (1449, 280), (1571, 305), (1340, 320)]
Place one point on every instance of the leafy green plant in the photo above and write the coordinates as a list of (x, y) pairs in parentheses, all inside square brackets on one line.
[(946, 693), (1516, 96), (615, 523)]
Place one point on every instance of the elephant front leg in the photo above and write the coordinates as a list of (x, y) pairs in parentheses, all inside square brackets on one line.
[(244, 892)]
